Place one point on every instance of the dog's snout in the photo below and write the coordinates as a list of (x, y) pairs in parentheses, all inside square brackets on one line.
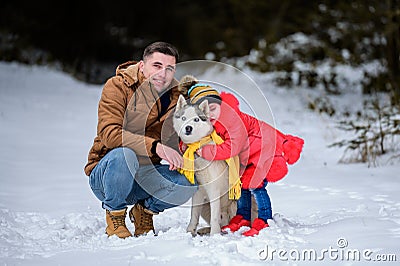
[(188, 130)]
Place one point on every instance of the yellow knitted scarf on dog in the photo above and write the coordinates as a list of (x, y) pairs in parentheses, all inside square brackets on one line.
[(233, 165)]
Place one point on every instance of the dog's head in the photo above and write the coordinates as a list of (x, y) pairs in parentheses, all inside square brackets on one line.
[(192, 122)]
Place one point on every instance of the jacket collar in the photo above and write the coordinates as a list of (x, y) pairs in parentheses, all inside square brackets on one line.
[(130, 73)]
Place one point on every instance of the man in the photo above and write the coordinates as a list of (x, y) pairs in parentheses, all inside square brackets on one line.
[(134, 133)]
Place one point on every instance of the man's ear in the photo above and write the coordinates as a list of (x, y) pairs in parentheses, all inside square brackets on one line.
[(205, 108), (181, 102), (141, 64)]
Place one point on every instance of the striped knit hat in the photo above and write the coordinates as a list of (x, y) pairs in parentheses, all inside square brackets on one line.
[(200, 92)]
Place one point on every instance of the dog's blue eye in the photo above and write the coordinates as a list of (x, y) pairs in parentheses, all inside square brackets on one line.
[(196, 120), (183, 118)]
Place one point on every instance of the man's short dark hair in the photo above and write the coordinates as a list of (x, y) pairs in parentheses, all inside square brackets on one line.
[(161, 47)]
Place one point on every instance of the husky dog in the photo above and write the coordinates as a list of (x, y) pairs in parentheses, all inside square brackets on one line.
[(211, 202)]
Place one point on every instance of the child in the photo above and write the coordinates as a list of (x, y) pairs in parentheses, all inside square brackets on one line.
[(263, 151)]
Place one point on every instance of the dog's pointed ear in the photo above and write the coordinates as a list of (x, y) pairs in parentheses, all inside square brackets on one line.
[(181, 102), (205, 108)]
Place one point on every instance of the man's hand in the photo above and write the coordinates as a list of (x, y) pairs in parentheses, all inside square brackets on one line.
[(173, 157)]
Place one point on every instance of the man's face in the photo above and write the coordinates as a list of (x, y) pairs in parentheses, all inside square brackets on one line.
[(159, 69)]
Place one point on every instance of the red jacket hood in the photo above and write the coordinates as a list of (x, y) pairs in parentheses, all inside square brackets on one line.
[(231, 100)]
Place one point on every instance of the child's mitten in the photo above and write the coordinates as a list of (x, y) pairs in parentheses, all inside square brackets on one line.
[(292, 147)]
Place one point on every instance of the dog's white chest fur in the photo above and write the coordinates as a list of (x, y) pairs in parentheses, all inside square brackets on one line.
[(210, 172)]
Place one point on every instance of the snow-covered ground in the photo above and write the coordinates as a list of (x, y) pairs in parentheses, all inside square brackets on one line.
[(324, 211)]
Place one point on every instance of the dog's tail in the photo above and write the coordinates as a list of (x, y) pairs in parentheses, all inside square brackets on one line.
[(185, 83)]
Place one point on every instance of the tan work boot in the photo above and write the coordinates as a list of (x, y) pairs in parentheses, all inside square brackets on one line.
[(142, 219), (116, 223)]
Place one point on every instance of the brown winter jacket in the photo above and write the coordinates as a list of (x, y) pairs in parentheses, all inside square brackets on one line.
[(129, 116)]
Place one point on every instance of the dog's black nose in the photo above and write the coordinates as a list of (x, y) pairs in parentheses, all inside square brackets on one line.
[(188, 130)]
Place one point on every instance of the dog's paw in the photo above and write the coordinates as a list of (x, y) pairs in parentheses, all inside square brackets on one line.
[(204, 231), (192, 231)]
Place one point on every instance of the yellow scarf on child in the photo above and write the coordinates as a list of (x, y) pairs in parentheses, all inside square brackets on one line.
[(233, 165)]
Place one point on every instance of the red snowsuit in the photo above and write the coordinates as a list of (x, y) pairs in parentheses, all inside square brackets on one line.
[(263, 151)]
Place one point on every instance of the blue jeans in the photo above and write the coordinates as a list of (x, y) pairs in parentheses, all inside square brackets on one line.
[(118, 180), (263, 202)]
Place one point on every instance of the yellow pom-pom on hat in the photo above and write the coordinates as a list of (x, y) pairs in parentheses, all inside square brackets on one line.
[(199, 92)]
